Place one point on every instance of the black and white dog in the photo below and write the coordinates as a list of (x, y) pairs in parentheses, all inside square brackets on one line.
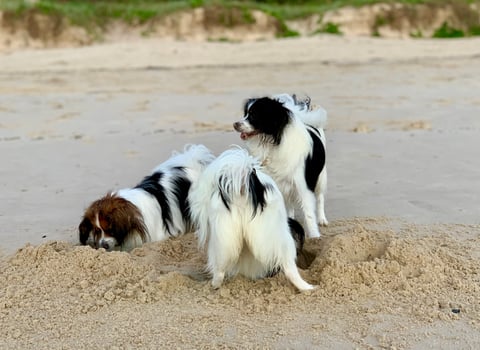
[(241, 217), (154, 210), (287, 135)]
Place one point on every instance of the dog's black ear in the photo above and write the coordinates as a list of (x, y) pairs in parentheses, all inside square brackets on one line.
[(84, 230), (297, 232), (270, 117), (247, 105)]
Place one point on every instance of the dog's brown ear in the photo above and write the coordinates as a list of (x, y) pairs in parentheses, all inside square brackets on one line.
[(120, 219), (84, 230)]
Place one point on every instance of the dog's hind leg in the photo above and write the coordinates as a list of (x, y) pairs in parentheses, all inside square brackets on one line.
[(224, 248), (217, 280), (308, 204), (307, 200), (320, 193)]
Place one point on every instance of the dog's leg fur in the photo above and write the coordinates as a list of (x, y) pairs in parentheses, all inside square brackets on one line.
[(308, 204), (320, 192), (224, 249), (260, 234)]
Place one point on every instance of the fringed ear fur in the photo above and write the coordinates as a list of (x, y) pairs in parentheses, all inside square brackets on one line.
[(84, 230), (121, 219)]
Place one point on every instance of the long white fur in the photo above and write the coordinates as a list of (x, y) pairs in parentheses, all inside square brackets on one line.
[(236, 240), (193, 160), (316, 117), (286, 163)]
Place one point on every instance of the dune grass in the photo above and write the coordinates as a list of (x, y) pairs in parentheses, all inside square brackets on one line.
[(97, 13)]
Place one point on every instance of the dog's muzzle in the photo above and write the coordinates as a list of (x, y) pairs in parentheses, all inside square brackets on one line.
[(237, 126), (107, 244)]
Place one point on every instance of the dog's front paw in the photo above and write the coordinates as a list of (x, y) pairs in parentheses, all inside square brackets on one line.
[(323, 221), (314, 234), (216, 285), (217, 280)]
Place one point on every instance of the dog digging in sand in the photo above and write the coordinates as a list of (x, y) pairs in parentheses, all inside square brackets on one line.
[(154, 210)]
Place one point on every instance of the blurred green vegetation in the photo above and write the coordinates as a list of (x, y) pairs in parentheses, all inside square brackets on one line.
[(93, 14)]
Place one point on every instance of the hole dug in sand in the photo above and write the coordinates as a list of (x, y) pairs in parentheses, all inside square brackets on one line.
[(422, 268), (305, 258)]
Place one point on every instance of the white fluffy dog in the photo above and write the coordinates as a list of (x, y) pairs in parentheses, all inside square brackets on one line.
[(241, 216)]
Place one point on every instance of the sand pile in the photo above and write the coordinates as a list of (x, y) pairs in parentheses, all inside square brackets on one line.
[(421, 269), (361, 266)]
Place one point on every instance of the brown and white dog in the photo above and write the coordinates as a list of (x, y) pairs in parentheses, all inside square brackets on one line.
[(154, 210)]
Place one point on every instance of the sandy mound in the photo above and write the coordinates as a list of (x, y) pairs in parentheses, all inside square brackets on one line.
[(402, 20), (36, 30), (364, 269)]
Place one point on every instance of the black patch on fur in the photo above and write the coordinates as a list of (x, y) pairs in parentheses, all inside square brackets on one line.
[(315, 162), (247, 104), (151, 184), (257, 192), (181, 187), (223, 195), (84, 230), (274, 272), (297, 232), (269, 117)]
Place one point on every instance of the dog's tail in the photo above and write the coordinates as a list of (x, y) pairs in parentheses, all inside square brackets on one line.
[(194, 156), (199, 153), (308, 113), (238, 176)]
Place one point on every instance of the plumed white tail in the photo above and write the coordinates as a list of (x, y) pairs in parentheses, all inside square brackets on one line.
[(234, 167), (302, 108), (193, 156)]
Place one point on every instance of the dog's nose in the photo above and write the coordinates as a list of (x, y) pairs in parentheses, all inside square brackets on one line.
[(105, 245), (237, 126)]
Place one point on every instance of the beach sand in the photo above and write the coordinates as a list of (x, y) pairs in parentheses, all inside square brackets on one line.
[(398, 267)]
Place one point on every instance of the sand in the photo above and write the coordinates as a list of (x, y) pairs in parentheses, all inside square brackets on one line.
[(397, 268)]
